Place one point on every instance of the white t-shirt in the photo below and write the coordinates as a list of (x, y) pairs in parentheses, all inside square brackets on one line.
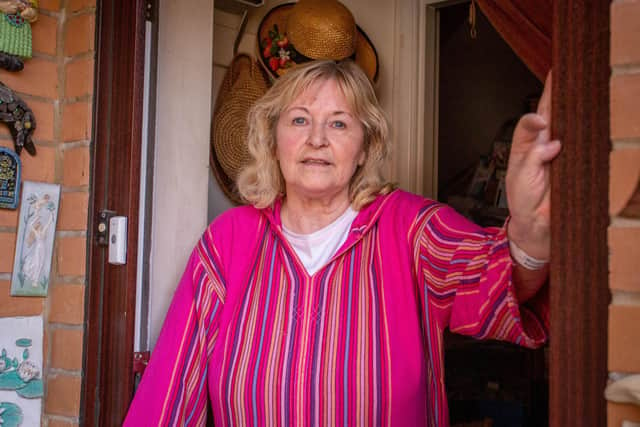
[(315, 249)]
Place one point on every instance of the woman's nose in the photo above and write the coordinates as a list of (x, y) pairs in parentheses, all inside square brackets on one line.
[(318, 136)]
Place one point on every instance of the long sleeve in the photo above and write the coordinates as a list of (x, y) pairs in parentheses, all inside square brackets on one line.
[(464, 282), (467, 281), (173, 390)]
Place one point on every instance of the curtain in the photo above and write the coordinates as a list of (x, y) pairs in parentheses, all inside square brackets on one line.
[(526, 27)]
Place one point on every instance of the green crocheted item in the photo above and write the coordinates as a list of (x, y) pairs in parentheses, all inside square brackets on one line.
[(15, 36)]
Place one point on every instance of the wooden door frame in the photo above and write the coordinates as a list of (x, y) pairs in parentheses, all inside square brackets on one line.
[(580, 216), (579, 291), (115, 182)]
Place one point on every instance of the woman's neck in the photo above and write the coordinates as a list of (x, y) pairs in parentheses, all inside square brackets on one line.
[(304, 216)]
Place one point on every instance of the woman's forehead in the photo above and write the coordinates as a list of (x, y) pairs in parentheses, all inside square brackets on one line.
[(326, 89)]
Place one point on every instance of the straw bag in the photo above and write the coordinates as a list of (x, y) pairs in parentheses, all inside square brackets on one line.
[(243, 84)]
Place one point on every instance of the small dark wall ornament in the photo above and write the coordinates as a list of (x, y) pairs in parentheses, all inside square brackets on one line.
[(10, 169), (20, 119), (16, 17)]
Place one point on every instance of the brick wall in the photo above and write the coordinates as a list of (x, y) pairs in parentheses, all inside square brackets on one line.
[(624, 231), (58, 85)]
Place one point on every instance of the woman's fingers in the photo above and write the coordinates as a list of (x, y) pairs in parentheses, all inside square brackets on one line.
[(531, 131), (544, 104), (548, 151), (531, 138), (534, 122), (528, 127)]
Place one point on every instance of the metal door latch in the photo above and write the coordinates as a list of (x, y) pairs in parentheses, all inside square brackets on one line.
[(103, 227)]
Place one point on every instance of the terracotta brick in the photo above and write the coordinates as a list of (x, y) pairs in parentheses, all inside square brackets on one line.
[(76, 121), (624, 178), (52, 5), (45, 32), (76, 167), (76, 5), (18, 306), (79, 34), (44, 112), (66, 349), (63, 395), (8, 218), (71, 256), (74, 211), (625, 115), (79, 78), (617, 413), (60, 423), (624, 336), (66, 304), (624, 253), (39, 78), (625, 32), (40, 167), (7, 249)]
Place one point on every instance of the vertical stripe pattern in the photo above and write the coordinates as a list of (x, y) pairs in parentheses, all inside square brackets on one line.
[(296, 336), (359, 343)]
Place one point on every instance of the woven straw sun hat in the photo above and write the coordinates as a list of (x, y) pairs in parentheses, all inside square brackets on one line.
[(294, 33), (243, 84)]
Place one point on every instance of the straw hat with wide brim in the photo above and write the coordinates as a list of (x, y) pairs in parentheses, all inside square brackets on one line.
[(294, 33), (243, 84)]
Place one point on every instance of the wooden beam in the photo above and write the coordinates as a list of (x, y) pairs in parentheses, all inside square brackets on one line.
[(580, 215), (109, 329)]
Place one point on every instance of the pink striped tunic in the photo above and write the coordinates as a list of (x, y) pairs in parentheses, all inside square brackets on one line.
[(358, 343)]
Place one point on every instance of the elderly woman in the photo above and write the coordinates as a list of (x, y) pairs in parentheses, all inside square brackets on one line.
[(325, 300)]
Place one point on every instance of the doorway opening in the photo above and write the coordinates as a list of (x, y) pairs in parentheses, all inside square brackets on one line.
[(483, 88)]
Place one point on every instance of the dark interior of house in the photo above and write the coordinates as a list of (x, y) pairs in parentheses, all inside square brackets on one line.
[(483, 88)]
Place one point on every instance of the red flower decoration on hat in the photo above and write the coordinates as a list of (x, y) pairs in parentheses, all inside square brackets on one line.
[(277, 49)]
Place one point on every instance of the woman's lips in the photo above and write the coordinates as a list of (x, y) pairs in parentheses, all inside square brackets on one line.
[(316, 162)]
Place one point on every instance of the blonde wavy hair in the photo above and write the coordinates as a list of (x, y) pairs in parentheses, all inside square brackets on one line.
[(261, 181)]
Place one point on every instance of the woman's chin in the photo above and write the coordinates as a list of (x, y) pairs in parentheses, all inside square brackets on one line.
[(318, 190)]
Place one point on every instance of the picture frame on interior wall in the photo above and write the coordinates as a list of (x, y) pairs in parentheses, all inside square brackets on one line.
[(35, 238)]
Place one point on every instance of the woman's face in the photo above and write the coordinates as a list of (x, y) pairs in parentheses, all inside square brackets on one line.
[(319, 143)]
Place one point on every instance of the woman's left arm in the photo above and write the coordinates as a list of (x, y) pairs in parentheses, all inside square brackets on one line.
[(528, 196)]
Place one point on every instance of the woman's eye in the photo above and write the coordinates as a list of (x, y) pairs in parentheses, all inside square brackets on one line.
[(339, 124), (299, 121)]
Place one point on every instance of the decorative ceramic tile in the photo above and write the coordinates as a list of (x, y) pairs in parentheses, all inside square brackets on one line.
[(10, 167), (21, 387), (34, 244)]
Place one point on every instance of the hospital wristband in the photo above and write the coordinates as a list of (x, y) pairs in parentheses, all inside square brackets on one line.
[(524, 259)]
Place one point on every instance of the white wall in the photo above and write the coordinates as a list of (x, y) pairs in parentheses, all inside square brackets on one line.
[(181, 166)]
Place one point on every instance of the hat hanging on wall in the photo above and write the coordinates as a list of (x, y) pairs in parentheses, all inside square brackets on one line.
[(294, 33), (242, 85)]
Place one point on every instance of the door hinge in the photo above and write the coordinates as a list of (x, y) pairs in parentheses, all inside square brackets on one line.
[(140, 362), (150, 10)]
